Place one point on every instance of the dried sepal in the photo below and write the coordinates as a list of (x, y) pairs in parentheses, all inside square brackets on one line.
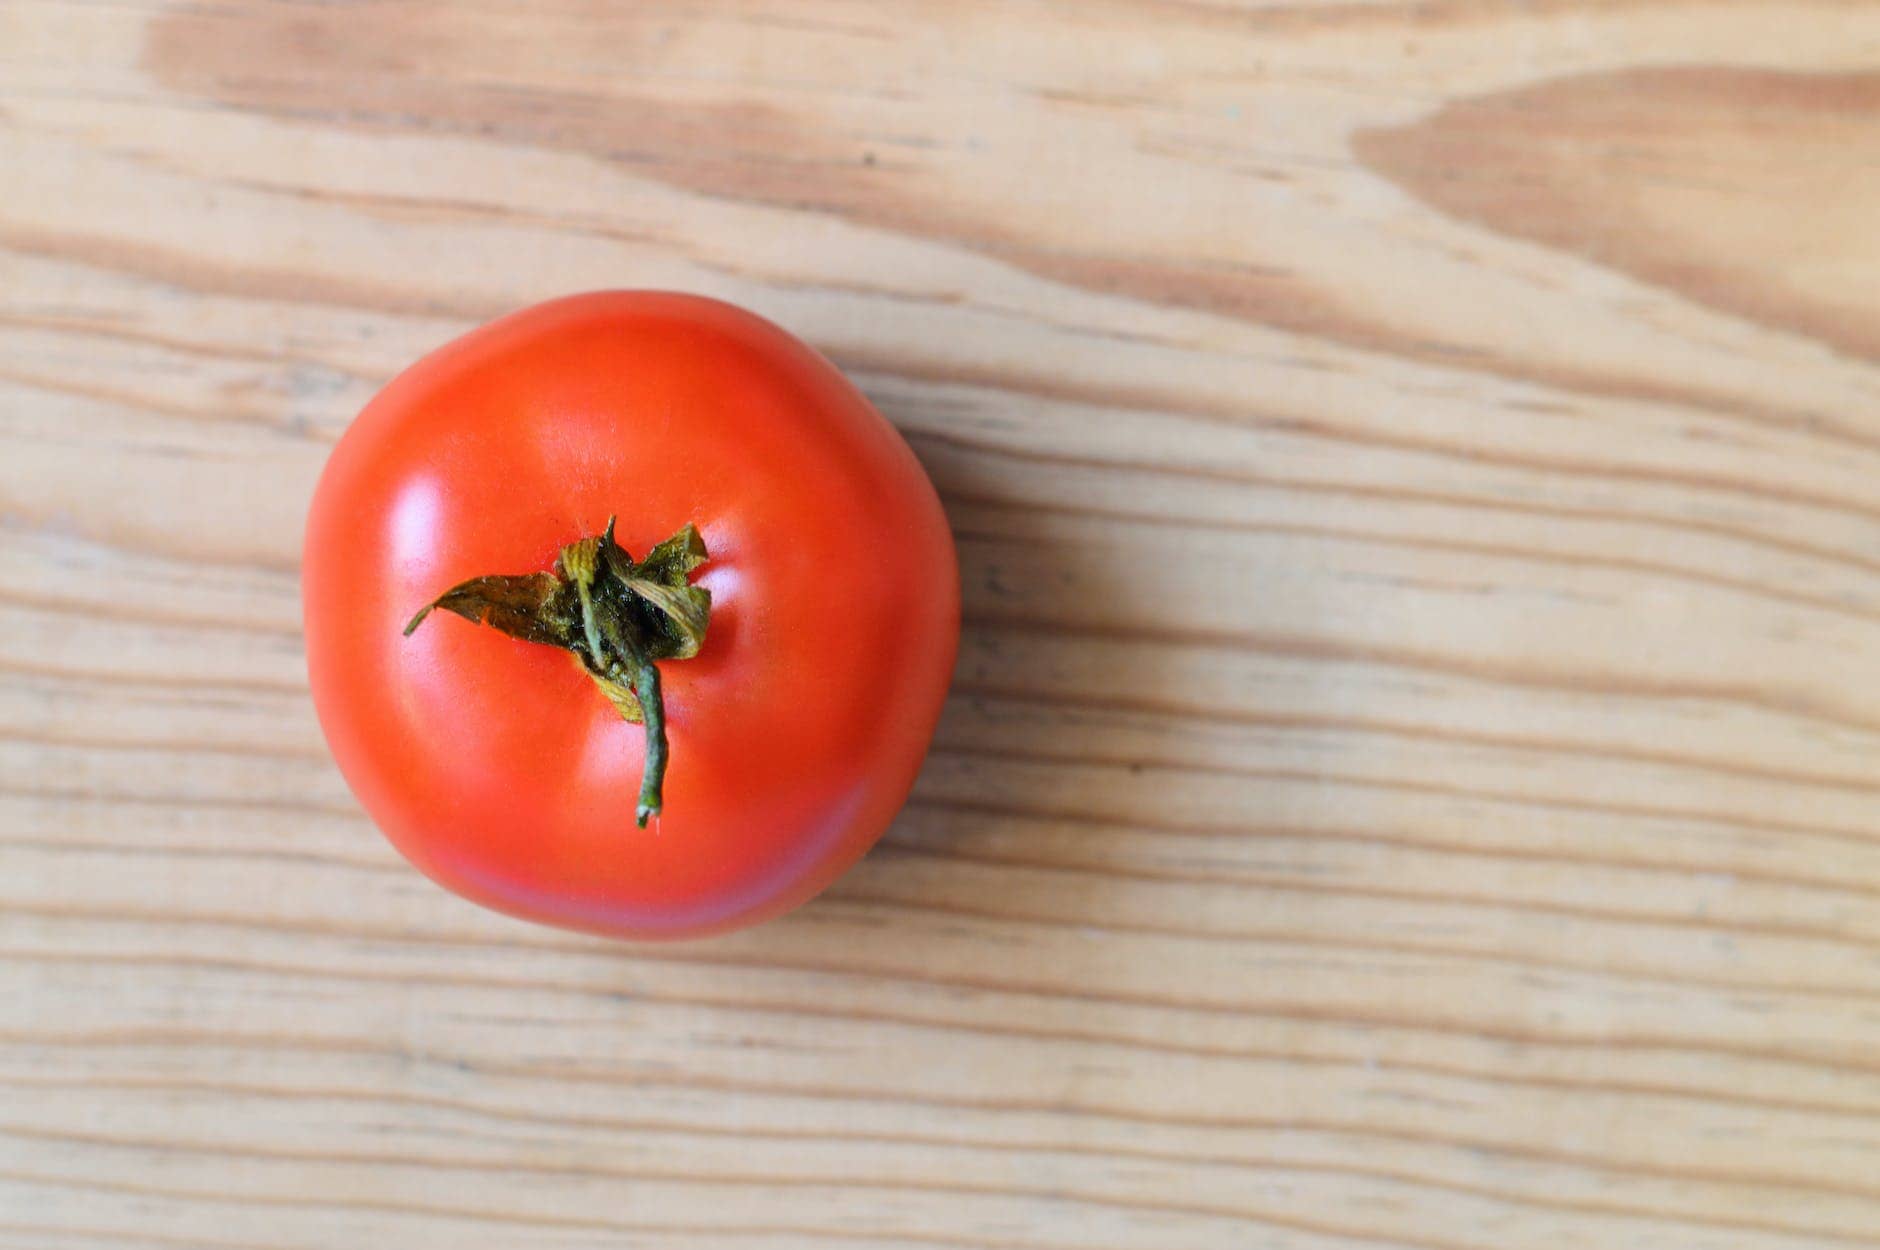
[(522, 606), (617, 616)]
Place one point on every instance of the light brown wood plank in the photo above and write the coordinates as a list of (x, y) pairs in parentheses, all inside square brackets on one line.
[(1488, 859)]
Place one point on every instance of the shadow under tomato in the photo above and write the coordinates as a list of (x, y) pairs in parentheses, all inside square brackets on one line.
[(1033, 794)]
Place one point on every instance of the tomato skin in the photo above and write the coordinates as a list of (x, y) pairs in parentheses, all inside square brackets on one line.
[(494, 765)]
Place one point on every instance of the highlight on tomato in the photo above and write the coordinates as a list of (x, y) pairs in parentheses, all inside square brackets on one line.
[(628, 613)]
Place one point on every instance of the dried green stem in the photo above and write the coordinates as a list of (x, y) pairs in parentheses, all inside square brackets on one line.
[(617, 616), (653, 776)]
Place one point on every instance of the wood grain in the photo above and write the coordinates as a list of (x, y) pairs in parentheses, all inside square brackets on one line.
[(1489, 859)]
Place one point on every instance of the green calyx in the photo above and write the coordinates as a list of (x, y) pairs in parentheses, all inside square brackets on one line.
[(616, 615)]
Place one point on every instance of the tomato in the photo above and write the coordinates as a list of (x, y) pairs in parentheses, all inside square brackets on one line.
[(498, 765)]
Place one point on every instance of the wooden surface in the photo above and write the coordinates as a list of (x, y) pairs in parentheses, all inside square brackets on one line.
[(1489, 858)]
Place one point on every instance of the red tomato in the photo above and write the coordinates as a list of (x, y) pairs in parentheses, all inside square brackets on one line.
[(496, 766)]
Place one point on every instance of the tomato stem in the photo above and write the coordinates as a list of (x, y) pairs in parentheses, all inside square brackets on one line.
[(617, 616), (653, 776)]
